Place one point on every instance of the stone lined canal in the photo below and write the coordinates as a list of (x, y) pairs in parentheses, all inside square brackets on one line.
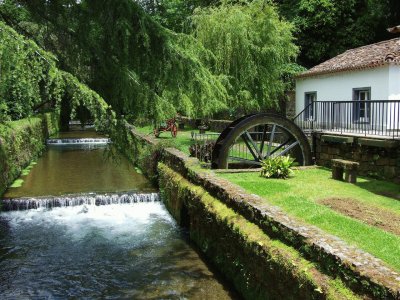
[(132, 250)]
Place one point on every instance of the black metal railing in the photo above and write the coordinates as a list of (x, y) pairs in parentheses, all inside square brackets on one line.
[(203, 145), (368, 118)]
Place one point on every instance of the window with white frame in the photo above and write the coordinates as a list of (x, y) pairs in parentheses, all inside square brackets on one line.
[(309, 98), (361, 107)]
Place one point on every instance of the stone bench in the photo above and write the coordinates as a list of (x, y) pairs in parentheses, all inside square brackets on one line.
[(348, 167)]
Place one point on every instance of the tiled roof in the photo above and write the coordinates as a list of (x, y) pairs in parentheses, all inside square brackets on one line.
[(370, 56)]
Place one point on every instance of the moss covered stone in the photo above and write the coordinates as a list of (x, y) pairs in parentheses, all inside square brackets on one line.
[(20, 142), (259, 267)]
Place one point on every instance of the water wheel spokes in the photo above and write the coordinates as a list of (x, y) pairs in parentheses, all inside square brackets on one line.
[(251, 139), (251, 145)]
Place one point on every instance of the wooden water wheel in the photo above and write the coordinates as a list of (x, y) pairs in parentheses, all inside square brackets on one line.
[(250, 139)]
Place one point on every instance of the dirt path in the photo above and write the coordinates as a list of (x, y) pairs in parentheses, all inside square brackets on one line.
[(372, 215)]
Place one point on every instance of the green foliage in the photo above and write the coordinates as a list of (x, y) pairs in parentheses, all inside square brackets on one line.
[(28, 76), (155, 72), (31, 79), (326, 28), (174, 14), (240, 57), (17, 183), (235, 59), (277, 167), (252, 46), (140, 67)]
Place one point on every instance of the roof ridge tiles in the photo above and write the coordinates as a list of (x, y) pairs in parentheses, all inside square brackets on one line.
[(368, 56)]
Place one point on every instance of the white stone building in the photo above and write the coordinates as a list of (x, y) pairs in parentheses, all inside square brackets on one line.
[(352, 90)]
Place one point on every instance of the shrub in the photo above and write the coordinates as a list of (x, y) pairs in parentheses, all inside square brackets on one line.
[(277, 167)]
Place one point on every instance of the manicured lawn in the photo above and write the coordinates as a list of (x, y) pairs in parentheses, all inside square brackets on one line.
[(301, 197)]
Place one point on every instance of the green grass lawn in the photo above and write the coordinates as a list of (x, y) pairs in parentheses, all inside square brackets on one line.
[(19, 124), (182, 141), (299, 196)]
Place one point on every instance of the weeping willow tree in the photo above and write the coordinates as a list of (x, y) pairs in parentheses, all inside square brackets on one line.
[(234, 58), (252, 46), (141, 68), (30, 79)]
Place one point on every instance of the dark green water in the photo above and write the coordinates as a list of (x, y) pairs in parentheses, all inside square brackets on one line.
[(117, 251), (79, 169)]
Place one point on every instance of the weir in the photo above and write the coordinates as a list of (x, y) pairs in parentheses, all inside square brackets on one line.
[(79, 199), (73, 141)]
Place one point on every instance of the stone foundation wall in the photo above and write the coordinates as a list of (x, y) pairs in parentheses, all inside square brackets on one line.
[(377, 158)]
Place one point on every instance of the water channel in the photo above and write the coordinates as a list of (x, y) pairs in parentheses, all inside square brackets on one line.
[(98, 230)]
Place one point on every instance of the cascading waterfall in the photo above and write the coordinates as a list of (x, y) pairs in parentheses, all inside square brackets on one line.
[(78, 141), (79, 199)]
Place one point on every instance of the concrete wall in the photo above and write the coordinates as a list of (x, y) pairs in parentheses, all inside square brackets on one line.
[(394, 82), (394, 94)]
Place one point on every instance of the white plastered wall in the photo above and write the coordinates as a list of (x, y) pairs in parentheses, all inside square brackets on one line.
[(339, 86), (394, 94), (394, 82)]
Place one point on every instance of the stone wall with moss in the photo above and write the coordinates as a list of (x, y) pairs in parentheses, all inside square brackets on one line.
[(20, 142), (258, 266), (190, 192)]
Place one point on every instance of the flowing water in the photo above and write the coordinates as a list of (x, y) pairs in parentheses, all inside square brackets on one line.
[(119, 242)]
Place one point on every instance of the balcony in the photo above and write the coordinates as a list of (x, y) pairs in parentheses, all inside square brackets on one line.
[(370, 118)]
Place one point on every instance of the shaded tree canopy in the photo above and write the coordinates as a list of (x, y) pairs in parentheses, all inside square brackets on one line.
[(30, 79), (325, 28), (144, 69), (175, 14), (140, 67), (153, 58)]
